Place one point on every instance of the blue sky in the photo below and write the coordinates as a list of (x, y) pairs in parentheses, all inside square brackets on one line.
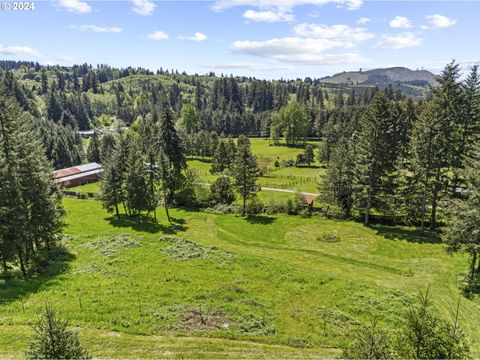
[(262, 38)]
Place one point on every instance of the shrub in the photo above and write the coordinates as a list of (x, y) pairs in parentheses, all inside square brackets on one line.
[(222, 209), (290, 207), (254, 206), (275, 207), (370, 342), (222, 191), (203, 196), (53, 340)]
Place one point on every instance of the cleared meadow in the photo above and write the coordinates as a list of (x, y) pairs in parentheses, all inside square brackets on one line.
[(228, 287)]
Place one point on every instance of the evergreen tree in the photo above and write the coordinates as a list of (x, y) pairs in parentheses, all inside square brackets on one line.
[(309, 155), (370, 342), (93, 150), (222, 191), (30, 201), (44, 81), (245, 171), (53, 340), (451, 115), (337, 184), (107, 146), (462, 232), (220, 158), (425, 335), (113, 187), (172, 147), (374, 157), (165, 176), (427, 174), (136, 186)]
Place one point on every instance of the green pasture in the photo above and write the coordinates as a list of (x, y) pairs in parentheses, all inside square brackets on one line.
[(223, 286)]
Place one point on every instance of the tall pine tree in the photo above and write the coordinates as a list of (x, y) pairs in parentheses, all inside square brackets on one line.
[(245, 171)]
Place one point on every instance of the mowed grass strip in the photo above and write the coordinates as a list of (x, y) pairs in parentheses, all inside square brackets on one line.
[(261, 286)]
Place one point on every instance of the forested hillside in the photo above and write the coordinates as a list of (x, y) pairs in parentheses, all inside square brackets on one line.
[(85, 97)]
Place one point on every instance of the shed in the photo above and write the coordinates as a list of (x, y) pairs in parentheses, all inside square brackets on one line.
[(78, 175)]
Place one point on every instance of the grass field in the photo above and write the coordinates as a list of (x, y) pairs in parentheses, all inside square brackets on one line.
[(302, 178), (294, 178), (257, 287)]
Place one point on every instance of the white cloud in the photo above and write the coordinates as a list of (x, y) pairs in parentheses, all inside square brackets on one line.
[(220, 5), (97, 29), (158, 35), (198, 36), (399, 41), (400, 22), (363, 21), (268, 16), (246, 66), (143, 7), (66, 58), (329, 59), (20, 51), (308, 45), (440, 21), (76, 6), (285, 46), (298, 50), (343, 32)]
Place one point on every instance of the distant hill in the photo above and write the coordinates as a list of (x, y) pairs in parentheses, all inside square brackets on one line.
[(394, 75)]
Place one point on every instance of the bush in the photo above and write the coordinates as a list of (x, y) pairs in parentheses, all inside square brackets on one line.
[(52, 339), (254, 206), (203, 196), (275, 207), (290, 207), (370, 342), (222, 191), (222, 209), (187, 195)]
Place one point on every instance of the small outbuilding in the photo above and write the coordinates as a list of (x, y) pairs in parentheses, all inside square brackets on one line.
[(78, 175)]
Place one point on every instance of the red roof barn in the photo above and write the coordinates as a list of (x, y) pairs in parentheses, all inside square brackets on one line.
[(78, 175)]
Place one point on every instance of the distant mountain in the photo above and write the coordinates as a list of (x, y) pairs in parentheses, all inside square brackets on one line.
[(394, 75)]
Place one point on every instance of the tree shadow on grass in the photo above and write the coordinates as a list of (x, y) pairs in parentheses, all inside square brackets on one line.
[(145, 223), (411, 235), (260, 219), (201, 159), (15, 287)]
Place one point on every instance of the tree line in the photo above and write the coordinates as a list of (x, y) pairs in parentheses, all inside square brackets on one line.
[(411, 162), (30, 202)]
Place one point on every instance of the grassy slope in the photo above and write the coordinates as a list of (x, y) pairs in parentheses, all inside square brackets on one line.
[(309, 291)]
